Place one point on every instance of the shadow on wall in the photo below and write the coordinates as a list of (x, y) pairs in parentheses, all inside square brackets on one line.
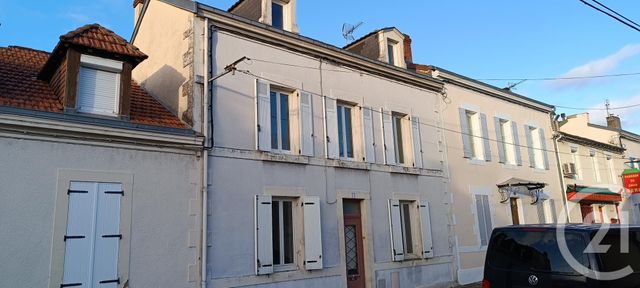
[(164, 85)]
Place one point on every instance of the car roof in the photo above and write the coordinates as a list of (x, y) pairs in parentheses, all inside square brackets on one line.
[(572, 227)]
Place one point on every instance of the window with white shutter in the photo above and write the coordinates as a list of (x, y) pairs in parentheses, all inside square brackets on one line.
[(98, 89), (397, 245), (388, 137), (312, 233), (483, 216), (345, 130), (369, 142), (331, 118), (408, 225), (425, 222), (417, 141), (475, 135), (306, 124), (263, 108), (93, 235), (264, 242)]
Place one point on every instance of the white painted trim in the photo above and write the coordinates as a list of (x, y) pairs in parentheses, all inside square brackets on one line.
[(100, 63), (470, 107)]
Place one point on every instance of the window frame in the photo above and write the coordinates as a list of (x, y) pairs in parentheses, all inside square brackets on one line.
[(280, 141), (282, 267), (392, 52), (475, 134), (345, 140), (538, 154), (398, 137), (408, 237), (102, 65), (508, 143)]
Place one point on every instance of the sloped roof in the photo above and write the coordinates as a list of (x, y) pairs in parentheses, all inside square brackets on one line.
[(367, 36), (20, 88), (100, 38)]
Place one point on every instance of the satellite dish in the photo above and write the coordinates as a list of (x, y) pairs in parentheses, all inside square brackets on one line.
[(348, 29)]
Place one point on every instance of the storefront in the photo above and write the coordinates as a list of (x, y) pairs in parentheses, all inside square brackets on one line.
[(597, 204)]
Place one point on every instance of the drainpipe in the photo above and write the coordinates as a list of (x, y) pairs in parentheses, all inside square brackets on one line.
[(556, 138), (205, 160)]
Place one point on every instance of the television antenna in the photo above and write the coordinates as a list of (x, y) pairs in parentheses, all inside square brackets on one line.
[(348, 29)]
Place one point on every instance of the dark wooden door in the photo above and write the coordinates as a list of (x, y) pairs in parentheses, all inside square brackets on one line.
[(353, 246), (515, 217), (587, 214)]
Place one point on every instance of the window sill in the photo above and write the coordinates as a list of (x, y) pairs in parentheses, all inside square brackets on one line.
[(476, 161), (285, 268), (510, 166), (539, 170)]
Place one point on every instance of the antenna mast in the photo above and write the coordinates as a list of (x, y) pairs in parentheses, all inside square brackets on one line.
[(348, 29), (607, 105)]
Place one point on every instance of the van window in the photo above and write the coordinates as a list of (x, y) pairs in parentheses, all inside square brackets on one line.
[(538, 250), (616, 259)]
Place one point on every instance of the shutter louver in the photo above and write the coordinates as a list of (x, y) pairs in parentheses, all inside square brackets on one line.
[(516, 143), (397, 245), (500, 140), (543, 146), (306, 124), (387, 131), (369, 144), (532, 155), (417, 141), (333, 144), (263, 111), (312, 233), (466, 133), (427, 238), (485, 137), (264, 240), (98, 91), (79, 238)]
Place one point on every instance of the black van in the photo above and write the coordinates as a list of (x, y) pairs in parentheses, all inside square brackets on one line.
[(529, 256)]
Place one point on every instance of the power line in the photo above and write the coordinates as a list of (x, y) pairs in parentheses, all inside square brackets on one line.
[(249, 73), (603, 109), (625, 18), (634, 27), (560, 78)]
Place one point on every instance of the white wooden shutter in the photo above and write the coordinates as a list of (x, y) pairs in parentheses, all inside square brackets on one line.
[(417, 141), (387, 131), (397, 245), (333, 144), (264, 240), (425, 221), (78, 254), (465, 132), (516, 142), (306, 124), (264, 115), (485, 137), (532, 155), (499, 139), (98, 91), (369, 144), (543, 146), (312, 233), (108, 235)]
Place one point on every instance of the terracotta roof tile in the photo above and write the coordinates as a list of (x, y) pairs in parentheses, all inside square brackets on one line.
[(100, 38), (20, 88)]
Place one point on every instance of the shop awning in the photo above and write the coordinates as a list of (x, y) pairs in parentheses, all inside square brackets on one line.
[(577, 193), (514, 186)]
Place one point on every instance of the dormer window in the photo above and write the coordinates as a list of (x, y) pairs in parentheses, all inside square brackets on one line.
[(277, 14), (99, 86), (392, 46)]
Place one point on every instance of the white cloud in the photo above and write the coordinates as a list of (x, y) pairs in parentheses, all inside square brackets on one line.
[(596, 67), (77, 17), (629, 117)]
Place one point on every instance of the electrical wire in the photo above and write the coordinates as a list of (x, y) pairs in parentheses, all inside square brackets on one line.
[(611, 15), (603, 109), (561, 78), (614, 12), (323, 97)]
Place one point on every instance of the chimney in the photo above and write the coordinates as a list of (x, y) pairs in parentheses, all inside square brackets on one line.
[(613, 122), (137, 9), (408, 54)]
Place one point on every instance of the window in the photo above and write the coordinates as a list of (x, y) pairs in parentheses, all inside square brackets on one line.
[(277, 15), (280, 137), (537, 144), (92, 237), (537, 148), (98, 86), (575, 158), (596, 167), (474, 135), (282, 232), (405, 220), (612, 169), (345, 131), (398, 137), (505, 135), (483, 215), (391, 51)]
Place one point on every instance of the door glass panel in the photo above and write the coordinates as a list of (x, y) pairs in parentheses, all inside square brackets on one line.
[(351, 249)]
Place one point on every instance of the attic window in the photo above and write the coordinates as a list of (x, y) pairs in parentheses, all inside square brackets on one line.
[(277, 15), (99, 86), (391, 50)]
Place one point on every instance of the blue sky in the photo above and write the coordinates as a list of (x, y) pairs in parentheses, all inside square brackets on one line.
[(479, 39)]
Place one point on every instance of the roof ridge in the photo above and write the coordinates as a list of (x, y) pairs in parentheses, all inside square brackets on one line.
[(24, 48)]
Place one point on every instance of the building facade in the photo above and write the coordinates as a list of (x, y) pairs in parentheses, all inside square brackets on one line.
[(321, 169), (97, 176)]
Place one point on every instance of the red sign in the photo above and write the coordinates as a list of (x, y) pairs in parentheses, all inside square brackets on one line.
[(632, 182)]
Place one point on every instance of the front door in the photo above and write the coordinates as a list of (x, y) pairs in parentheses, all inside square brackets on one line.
[(353, 244), (587, 214), (515, 217)]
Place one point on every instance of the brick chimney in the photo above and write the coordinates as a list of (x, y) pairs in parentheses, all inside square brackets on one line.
[(613, 122), (408, 54)]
